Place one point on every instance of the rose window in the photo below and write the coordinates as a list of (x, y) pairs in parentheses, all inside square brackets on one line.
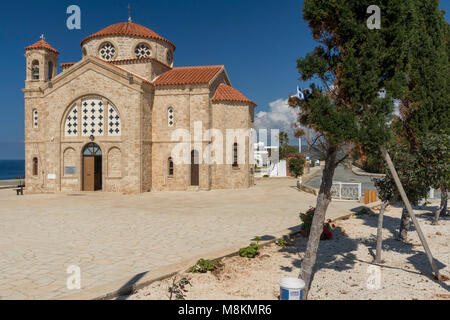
[(107, 51), (143, 51)]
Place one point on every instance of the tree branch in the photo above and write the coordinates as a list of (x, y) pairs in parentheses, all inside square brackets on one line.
[(341, 160)]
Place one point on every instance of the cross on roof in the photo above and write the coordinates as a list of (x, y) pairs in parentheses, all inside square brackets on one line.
[(129, 13), (42, 37)]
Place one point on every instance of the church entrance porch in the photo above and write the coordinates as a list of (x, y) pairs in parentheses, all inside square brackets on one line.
[(92, 167)]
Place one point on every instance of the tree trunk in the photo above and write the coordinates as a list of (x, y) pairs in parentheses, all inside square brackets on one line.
[(407, 206), (380, 232), (444, 201), (405, 222), (323, 200)]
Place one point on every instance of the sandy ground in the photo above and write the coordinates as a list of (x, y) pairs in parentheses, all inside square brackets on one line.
[(344, 266)]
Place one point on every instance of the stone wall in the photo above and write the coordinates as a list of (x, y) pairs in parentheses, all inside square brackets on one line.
[(125, 47), (48, 142), (138, 159)]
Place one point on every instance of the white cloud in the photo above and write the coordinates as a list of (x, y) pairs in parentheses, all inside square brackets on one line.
[(280, 116)]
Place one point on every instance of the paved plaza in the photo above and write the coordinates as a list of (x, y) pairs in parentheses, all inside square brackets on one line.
[(113, 236)]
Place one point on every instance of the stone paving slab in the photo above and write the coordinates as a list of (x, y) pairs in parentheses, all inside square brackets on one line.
[(113, 236)]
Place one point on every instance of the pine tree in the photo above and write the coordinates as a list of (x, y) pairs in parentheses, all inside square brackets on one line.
[(424, 110), (352, 64)]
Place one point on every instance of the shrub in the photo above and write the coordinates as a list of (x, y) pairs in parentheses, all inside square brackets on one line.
[(296, 165), (249, 252), (203, 265), (362, 212), (178, 288), (307, 219), (307, 222), (281, 243)]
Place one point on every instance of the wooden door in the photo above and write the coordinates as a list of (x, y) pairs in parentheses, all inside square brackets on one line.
[(98, 173), (194, 168), (88, 173)]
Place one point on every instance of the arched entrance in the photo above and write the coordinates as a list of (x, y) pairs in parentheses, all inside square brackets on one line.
[(92, 167), (194, 168)]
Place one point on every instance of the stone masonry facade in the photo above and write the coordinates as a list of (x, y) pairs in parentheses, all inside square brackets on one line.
[(127, 99)]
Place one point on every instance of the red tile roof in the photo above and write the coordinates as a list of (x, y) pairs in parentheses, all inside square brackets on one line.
[(123, 70), (226, 93), (42, 44), (67, 64), (188, 75), (128, 29), (138, 60)]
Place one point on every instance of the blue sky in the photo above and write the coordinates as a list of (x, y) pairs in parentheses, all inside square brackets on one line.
[(257, 40)]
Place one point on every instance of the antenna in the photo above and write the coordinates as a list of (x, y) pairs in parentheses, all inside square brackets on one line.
[(129, 13)]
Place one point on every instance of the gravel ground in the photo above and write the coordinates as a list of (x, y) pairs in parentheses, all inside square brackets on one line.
[(344, 266)]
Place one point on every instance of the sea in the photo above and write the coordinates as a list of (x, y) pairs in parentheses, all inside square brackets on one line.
[(12, 169)]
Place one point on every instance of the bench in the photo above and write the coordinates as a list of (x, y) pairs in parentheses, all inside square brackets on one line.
[(19, 190)]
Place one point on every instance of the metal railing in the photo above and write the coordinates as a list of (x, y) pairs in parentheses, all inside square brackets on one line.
[(346, 191)]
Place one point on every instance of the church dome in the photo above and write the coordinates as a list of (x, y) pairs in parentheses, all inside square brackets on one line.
[(128, 29)]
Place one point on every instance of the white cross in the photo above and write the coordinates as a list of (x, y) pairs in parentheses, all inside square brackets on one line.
[(42, 37)]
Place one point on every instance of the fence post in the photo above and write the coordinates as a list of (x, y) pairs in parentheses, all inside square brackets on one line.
[(411, 212)]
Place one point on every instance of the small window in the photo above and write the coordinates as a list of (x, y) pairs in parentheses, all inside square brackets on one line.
[(35, 166), (107, 51), (84, 52), (170, 167), (50, 71), (35, 118), (35, 70), (170, 117), (235, 155), (169, 58), (142, 51)]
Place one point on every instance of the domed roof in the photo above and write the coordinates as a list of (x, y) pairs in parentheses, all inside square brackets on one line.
[(128, 29), (42, 44)]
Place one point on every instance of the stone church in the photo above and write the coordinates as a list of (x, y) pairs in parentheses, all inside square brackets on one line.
[(107, 121)]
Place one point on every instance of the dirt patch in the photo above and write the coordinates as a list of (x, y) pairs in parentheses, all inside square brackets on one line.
[(344, 266)]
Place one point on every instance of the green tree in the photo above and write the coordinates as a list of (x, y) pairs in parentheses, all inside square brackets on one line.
[(424, 109), (351, 64), (285, 148), (412, 174), (296, 165), (434, 155)]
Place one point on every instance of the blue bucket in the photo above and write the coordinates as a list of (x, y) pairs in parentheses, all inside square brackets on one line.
[(291, 289)]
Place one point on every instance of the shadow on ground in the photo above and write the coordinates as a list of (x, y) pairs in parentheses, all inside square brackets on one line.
[(337, 254)]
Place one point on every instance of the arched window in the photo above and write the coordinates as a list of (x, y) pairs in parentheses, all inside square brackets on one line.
[(71, 126), (170, 117), (35, 167), (170, 167), (50, 71), (96, 117), (35, 70), (35, 119), (92, 149), (235, 155)]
